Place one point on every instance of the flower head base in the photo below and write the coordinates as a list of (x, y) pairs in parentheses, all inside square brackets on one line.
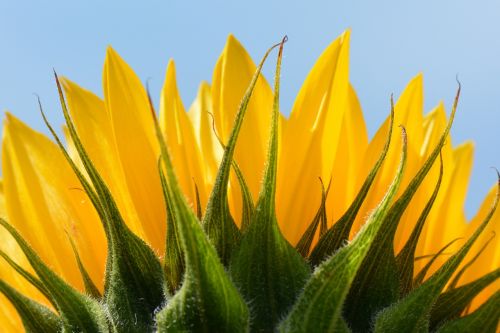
[(229, 193)]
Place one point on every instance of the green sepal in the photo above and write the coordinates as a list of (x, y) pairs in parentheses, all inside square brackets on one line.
[(412, 312), (33, 280), (338, 234), (218, 222), (485, 319), (318, 308), (376, 285), (173, 264), (79, 313), (90, 287), (246, 198), (457, 277), (406, 258), (304, 244), (267, 269), (36, 318), (207, 301), (199, 209), (452, 303), (419, 278), (133, 286)]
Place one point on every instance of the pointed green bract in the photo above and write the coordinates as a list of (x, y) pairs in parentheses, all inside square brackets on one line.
[(412, 312), (36, 317), (33, 280), (199, 210), (419, 278), (406, 258), (267, 269), (318, 308), (207, 301), (173, 264), (452, 303), (90, 287), (484, 319), (377, 283), (457, 277), (134, 286), (304, 244), (246, 197), (338, 234), (218, 222), (79, 313)]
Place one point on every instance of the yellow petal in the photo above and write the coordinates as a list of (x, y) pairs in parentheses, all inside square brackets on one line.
[(310, 139), (132, 123), (94, 128), (43, 199), (231, 77), (353, 142), (447, 219), (409, 113), (9, 319), (180, 138), (489, 259), (210, 148), (434, 124)]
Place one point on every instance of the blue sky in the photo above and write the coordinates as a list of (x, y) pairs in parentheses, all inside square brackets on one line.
[(391, 42)]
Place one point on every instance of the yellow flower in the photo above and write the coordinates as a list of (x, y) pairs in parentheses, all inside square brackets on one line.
[(324, 136)]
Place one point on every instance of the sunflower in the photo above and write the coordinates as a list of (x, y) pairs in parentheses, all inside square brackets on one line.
[(309, 225)]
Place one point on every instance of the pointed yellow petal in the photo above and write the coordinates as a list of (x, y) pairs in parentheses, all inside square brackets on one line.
[(311, 138), (132, 123), (9, 319), (489, 259), (209, 146), (353, 142), (408, 113), (93, 124), (447, 220), (43, 199), (434, 125), (230, 80), (180, 138)]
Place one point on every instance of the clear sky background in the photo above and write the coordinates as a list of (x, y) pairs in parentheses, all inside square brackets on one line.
[(391, 42)]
